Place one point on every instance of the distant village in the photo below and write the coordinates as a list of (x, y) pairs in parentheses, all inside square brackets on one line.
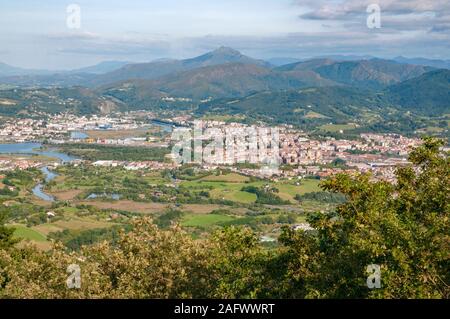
[(63, 127)]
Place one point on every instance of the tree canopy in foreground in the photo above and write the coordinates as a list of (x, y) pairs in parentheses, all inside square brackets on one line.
[(402, 227)]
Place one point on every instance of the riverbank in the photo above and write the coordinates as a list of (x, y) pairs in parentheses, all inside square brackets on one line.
[(38, 190), (33, 148), (37, 149)]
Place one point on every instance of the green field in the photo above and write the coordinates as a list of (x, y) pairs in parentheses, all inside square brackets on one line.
[(315, 115), (289, 190), (196, 194), (229, 187), (224, 118), (240, 196), (231, 178), (195, 220), (74, 183), (337, 127), (75, 178), (28, 233)]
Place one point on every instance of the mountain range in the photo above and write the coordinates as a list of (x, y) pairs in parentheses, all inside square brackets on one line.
[(338, 70), (227, 73), (436, 63), (428, 94), (8, 70), (226, 81)]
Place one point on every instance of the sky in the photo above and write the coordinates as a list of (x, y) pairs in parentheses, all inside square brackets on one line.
[(36, 33)]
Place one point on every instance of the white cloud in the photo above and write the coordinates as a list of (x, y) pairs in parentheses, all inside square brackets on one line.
[(144, 30), (424, 15)]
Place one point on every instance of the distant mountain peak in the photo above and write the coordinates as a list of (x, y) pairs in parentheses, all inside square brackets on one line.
[(102, 67), (227, 51), (222, 55)]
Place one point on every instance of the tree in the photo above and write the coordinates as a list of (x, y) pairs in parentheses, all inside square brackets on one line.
[(402, 227), (6, 233), (338, 162), (146, 262)]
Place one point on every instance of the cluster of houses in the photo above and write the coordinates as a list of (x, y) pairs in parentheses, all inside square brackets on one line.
[(61, 125), (377, 153), (134, 166), (10, 164)]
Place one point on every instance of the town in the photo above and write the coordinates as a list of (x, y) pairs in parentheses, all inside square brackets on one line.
[(298, 154)]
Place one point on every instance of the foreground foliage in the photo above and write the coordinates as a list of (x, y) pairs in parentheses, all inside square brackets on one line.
[(402, 227)]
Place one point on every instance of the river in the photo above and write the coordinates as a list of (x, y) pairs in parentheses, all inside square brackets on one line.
[(38, 189), (165, 126), (78, 135), (34, 148)]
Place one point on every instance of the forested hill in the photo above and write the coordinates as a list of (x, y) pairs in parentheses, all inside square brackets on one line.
[(428, 94), (370, 92)]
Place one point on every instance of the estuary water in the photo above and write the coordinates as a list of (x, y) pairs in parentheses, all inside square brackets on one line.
[(166, 127), (38, 189), (78, 135), (35, 148)]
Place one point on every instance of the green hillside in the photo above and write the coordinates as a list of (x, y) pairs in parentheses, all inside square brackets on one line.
[(428, 94)]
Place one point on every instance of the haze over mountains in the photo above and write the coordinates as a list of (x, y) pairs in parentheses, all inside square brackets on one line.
[(226, 73), (114, 71), (349, 70), (341, 86), (100, 68), (440, 64), (8, 70), (427, 95)]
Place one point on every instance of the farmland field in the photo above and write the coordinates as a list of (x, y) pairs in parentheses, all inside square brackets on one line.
[(232, 190), (24, 232), (195, 220), (337, 127), (115, 134)]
